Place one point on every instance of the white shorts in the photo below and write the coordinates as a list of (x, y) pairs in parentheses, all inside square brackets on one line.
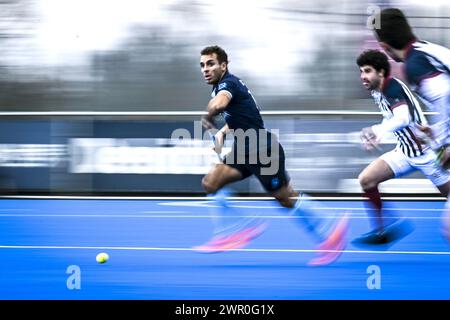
[(402, 165)]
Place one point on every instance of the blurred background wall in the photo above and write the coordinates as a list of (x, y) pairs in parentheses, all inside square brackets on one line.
[(140, 55), (143, 55)]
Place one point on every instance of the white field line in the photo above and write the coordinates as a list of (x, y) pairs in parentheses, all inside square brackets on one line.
[(171, 216), (236, 250)]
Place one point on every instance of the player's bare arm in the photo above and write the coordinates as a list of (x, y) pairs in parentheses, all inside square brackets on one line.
[(215, 106)]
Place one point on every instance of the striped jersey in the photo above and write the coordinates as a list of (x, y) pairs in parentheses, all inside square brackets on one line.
[(393, 94), (427, 67), (424, 60)]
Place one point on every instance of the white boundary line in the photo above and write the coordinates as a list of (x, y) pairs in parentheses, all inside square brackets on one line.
[(237, 250), (164, 216), (209, 204), (183, 113), (343, 198)]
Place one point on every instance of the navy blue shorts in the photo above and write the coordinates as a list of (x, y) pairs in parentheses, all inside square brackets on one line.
[(268, 167)]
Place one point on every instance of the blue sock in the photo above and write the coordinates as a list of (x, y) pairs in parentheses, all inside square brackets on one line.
[(310, 214), (225, 218)]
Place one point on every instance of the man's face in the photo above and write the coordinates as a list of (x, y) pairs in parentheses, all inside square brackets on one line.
[(211, 69), (390, 52), (370, 77)]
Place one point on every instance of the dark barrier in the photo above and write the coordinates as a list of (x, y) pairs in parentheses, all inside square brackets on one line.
[(145, 155)]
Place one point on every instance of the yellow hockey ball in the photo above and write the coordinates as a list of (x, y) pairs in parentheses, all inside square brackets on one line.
[(102, 257)]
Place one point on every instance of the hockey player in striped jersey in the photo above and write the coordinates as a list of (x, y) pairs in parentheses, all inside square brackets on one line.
[(402, 116), (427, 68)]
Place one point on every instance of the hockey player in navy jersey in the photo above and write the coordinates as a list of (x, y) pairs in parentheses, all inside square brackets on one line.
[(255, 151)]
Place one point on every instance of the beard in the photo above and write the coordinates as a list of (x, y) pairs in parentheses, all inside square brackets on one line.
[(374, 84)]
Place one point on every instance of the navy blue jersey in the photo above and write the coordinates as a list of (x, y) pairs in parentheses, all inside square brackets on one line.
[(395, 93), (242, 112)]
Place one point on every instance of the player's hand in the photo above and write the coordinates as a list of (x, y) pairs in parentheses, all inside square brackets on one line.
[(427, 135), (207, 123), (219, 139), (443, 157), (368, 139)]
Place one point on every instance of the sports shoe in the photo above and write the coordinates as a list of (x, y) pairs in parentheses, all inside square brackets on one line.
[(332, 247), (387, 236), (236, 240), (216, 244)]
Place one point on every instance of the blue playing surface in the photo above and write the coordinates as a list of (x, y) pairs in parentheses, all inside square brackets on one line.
[(149, 243)]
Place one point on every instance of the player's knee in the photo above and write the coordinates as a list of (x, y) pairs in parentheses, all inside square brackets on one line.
[(208, 186), (366, 182)]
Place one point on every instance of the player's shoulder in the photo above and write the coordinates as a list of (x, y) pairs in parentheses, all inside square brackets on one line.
[(418, 67), (228, 81), (416, 58), (394, 88), (422, 47), (425, 58)]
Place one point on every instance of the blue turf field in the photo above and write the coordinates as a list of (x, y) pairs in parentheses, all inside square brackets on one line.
[(149, 245)]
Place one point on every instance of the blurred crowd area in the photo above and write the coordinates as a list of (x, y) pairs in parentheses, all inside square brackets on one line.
[(140, 55)]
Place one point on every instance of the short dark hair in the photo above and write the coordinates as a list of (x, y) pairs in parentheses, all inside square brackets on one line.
[(393, 28), (376, 59), (221, 54)]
